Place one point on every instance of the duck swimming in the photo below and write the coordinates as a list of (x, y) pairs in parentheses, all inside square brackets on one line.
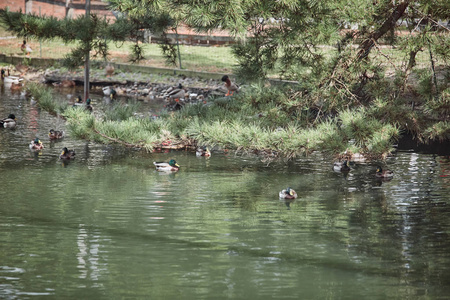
[(288, 194), (380, 173), (9, 122), (341, 166), (171, 166), (36, 145), (67, 154), (55, 134), (203, 151)]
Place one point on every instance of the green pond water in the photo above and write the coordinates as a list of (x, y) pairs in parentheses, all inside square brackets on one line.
[(108, 226)]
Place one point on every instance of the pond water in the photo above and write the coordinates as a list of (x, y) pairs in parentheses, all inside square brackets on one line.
[(108, 226)]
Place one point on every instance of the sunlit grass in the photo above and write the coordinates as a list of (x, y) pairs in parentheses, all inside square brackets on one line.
[(198, 58)]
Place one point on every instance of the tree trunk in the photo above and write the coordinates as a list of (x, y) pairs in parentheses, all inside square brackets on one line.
[(389, 24)]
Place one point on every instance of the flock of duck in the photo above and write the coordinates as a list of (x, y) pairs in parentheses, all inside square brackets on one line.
[(36, 144), (172, 165)]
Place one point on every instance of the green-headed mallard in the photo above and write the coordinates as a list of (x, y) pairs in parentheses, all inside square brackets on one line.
[(288, 194), (203, 151), (231, 87), (67, 154), (341, 166), (380, 173), (36, 145), (55, 134), (9, 122), (171, 166), (88, 105)]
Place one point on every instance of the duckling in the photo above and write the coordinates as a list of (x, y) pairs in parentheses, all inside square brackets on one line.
[(171, 166), (380, 173), (341, 166), (231, 87), (36, 145), (203, 151), (55, 134), (9, 122), (288, 194), (67, 154)]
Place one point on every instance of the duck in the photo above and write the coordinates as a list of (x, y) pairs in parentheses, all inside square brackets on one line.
[(341, 166), (26, 49), (109, 69), (176, 93), (67, 154), (16, 86), (55, 134), (21, 68), (78, 102), (231, 87), (12, 79), (203, 151), (380, 173), (64, 83), (9, 122), (288, 193), (88, 105), (171, 166), (36, 145), (109, 91)]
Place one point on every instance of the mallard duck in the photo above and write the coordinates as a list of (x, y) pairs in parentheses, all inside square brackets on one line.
[(380, 173), (21, 68), (176, 94), (78, 102), (9, 122), (67, 154), (26, 49), (55, 134), (36, 145), (88, 105), (109, 69), (341, 166), (171, 166), (231, 87), (12, 79), (203, 151), (64, 83), (16, 86), (288, 194), (109, 91)]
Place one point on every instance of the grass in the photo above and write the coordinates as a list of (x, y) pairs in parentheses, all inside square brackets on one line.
[(199, 58)]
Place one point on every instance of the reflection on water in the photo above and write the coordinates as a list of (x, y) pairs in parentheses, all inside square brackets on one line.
[(107, 225)]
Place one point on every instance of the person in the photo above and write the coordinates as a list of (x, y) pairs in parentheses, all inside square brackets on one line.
[(26, 49)]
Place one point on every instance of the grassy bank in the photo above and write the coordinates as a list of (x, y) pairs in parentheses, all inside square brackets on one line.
[(259, 120)]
